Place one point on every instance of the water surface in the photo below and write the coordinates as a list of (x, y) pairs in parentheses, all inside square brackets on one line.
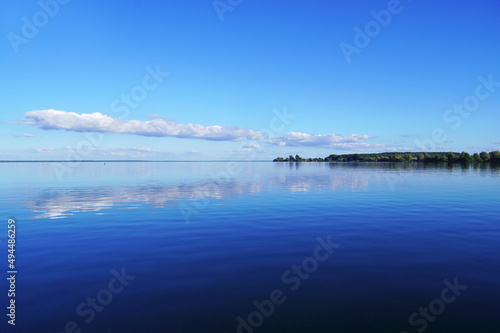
[(204, 242)]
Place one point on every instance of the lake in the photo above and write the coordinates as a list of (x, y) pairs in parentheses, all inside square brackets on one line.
[(252, 247)]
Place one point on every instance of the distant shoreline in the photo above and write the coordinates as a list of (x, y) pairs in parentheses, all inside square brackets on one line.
[(423, 157)]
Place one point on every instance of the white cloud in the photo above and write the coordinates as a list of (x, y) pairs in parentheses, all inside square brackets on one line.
[(415, 149), (140, 149), (127, 152), (23, 135), (495, 142), (45, 150), (423, 149), (248, 147), (98, 122), (296, 139), (164, 127), (156, 116), (251, 145)]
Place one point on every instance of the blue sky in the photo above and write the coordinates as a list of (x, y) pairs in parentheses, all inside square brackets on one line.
[(198, 80)]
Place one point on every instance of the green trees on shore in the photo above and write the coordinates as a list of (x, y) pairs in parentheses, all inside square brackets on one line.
[(436, 157)]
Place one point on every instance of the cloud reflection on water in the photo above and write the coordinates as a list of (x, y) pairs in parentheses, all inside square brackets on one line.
[(62, 202), (53, 203)]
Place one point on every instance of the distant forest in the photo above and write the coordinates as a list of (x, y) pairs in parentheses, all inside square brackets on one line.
[(449, 157)]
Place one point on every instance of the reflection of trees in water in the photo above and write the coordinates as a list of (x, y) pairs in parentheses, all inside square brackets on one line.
[(487, 169), (493, 168)]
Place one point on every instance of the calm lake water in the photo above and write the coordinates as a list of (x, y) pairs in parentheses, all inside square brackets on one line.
[(253, 247)]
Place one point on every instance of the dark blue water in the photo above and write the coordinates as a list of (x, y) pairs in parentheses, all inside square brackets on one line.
[(253, 247)]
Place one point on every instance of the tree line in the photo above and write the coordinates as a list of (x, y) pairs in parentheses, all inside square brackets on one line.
[(450, 157)]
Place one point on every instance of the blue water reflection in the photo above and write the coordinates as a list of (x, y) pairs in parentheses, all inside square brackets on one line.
[(403, 230)]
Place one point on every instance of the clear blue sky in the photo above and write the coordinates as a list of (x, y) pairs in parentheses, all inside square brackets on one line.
[(232, 68)]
